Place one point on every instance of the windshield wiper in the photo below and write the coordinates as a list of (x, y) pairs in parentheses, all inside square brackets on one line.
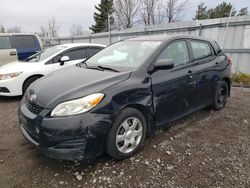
[(98, 67), (107, 68), (29, 58), (81, 64)]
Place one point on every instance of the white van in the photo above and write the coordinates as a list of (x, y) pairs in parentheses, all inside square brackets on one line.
[(18, 46)]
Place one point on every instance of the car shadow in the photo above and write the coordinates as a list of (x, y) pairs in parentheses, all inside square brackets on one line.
[(10, 99)]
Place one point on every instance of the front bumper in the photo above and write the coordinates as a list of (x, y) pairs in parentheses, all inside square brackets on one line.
[(13, 85), (67, 138)]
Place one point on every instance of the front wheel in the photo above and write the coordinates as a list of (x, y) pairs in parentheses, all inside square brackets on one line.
[(221, 95), (127, 134)]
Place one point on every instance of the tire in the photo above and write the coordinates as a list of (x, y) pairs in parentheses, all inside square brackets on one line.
[(28, 82), (221, 95), (127, 134)]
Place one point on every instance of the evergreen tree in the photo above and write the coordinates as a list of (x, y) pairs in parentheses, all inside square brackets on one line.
[(105, 11), (202, 12), (243, 12), (222, 10)]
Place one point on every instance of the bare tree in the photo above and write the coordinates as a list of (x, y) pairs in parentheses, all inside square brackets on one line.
[(53, 27), (148, 11), (125, 11), (159, 16), (76, 30), (43, 31), (174, 9), (158, 11), (14, 29)]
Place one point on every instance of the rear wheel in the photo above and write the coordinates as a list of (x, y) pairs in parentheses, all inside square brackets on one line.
[(127, 134), (28, 82), (221, 95)]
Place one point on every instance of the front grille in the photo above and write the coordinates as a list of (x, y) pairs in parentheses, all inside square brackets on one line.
[(4, 90), (34, 108)]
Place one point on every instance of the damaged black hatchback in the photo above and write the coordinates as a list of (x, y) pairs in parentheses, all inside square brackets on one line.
[(111, 101)]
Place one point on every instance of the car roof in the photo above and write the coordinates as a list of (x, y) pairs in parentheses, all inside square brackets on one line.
[(163, 38), (72, 45)]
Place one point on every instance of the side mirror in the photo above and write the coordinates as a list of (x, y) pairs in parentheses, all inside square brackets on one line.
[(64, 59), (164, 64)]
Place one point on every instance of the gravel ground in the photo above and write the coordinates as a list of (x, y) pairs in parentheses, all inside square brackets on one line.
[(204, 149)]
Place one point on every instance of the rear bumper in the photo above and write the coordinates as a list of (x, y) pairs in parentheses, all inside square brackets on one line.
[(70, 138)]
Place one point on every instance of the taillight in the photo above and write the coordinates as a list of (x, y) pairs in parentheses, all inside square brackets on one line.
[(230, 61)]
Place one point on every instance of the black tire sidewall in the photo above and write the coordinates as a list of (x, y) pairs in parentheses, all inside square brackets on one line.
[(111, 147), (217, 105)]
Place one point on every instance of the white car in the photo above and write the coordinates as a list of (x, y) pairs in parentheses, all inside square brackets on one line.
[(16, 77)]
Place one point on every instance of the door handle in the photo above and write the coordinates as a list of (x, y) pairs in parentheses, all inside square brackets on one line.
[(217, 65), (13, 53), (190, 74)]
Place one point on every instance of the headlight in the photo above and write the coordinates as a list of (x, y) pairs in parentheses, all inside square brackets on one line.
[(77, 106), (9, 76)]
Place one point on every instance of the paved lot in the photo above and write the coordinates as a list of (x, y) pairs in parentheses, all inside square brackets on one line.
[(204, 149)]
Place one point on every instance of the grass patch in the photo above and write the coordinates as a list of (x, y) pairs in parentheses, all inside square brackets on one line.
[(241, 78)]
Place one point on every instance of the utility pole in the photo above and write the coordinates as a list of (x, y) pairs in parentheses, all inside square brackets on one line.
[(225, 34), (109, 28)]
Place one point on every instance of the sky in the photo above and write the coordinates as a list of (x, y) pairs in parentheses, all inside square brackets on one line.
[(31, 14)]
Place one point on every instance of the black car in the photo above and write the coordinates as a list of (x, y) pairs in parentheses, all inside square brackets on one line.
[(114, 99)]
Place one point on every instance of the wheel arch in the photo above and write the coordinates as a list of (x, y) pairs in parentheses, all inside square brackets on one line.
[(32, 76), (228, 81), (147, 113)]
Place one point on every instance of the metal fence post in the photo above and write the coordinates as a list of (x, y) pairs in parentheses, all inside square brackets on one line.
[(90, 39), (200, 30)]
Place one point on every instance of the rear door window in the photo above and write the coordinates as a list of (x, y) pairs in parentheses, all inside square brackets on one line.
[(25, 41), (177, 51), (200, 49), (5, 42), (76, 54)]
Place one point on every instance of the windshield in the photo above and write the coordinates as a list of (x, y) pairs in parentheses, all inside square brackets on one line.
[(125, 54), (40, 56)]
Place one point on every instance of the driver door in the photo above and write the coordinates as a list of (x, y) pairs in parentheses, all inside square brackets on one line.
[(173, 89)]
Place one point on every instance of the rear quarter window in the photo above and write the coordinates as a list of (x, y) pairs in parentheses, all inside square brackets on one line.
[(200, 49), (25, 41), (5, 42)]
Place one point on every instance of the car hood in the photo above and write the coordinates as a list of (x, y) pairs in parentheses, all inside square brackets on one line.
[(16, 66), (72, 83)]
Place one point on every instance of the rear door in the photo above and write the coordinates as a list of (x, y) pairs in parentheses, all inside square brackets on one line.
[(173, 90), (205, 66), (26, 45), (7, 51)]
